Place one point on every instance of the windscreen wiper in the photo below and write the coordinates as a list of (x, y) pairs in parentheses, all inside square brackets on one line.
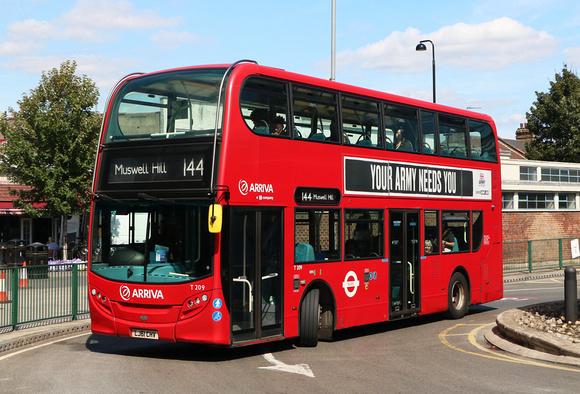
[(104, 197)]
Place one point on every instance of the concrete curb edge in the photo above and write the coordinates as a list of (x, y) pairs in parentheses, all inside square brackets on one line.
[(534, 339), (19, 338)]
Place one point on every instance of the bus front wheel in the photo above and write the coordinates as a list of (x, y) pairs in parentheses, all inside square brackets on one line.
[(309, 319), (458, 296)]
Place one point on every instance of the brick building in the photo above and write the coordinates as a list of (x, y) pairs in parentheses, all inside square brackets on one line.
[(541, 199)]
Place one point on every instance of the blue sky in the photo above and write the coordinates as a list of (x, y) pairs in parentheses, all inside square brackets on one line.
[(490, 55)]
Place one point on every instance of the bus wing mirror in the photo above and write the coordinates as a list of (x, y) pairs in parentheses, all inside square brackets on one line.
[(215, 217)]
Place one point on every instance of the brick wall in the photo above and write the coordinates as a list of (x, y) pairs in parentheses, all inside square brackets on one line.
[(523, 226)]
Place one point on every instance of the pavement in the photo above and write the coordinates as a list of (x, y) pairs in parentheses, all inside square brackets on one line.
[(507, 335), (521, 340), (29, 336)]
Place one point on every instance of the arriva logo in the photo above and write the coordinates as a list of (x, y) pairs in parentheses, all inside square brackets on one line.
[(125, 293), (246, 188), (243, 186)]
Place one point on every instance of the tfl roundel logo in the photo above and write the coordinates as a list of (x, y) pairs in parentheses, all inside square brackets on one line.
[(243, 186), (125, 292)]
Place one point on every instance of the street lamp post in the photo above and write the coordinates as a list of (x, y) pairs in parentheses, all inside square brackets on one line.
[(421, 47), (333, 43)]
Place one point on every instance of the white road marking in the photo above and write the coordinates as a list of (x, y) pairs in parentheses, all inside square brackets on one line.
[(300, 369)]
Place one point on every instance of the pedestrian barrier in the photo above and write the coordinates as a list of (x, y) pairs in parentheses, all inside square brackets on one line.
[(32, 295), (538, 254)]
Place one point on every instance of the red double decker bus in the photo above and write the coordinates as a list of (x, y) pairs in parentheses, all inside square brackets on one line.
[(238, 204)]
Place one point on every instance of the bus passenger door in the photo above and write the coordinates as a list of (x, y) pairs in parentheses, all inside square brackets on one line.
[(255, 273), (404, 263)]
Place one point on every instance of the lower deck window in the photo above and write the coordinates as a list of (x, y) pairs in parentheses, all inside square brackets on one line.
[(363, 234), (316, 235), (455, 234)]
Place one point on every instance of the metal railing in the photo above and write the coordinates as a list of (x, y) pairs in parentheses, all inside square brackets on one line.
[(538, 254), (37, 295)]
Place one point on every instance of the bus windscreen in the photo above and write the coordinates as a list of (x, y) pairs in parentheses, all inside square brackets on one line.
[(181, 104), (154, 243)]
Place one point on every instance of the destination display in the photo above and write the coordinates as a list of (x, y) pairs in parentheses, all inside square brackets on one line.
[(316, 196), (378, 177), (180, 167)]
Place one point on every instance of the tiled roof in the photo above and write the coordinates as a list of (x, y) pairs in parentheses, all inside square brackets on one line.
[(4, 191), (516, 144)]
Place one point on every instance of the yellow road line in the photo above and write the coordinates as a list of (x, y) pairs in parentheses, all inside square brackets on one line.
[(472, 339)]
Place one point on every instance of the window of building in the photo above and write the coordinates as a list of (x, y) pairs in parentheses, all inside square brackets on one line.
[(482, 141), (264, 107), (455, 229), (316, 235), (528, 173), (566, 201), (562, 175), (360, 122), (315, 115), (507, 199), (452, 136), (431, 220), (363, 234), (401, 128), (535, 200)]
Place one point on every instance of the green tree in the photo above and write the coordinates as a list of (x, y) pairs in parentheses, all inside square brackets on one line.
[(51, 145), (554, 120)]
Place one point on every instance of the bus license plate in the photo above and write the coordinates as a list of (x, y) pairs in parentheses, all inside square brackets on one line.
[(144, 334)]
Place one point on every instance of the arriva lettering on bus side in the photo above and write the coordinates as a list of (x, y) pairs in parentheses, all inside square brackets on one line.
[(261, 188)]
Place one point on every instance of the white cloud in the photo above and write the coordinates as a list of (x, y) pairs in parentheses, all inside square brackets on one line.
[(98, 67), (12, 48), (507, 126), (89, 22), (31, 29), (494, 45), (573, 57), (115, 15), (390, 54)]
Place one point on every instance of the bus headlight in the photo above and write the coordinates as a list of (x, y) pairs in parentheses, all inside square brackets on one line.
[(193, 306)]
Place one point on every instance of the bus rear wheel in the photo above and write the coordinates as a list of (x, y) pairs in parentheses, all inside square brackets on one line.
[(458, 297), (310, 319)]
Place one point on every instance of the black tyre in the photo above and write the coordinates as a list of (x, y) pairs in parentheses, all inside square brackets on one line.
[(309, 319), (458, 297)]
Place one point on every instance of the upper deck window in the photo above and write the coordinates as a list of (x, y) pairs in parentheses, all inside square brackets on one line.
[(360, 122), (315, 114), (401, 128), (264, 106), (429, 133), (482, 141), (173, 104), (452, 139)]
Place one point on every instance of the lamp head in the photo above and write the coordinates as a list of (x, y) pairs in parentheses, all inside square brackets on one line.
[(420, 47)]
